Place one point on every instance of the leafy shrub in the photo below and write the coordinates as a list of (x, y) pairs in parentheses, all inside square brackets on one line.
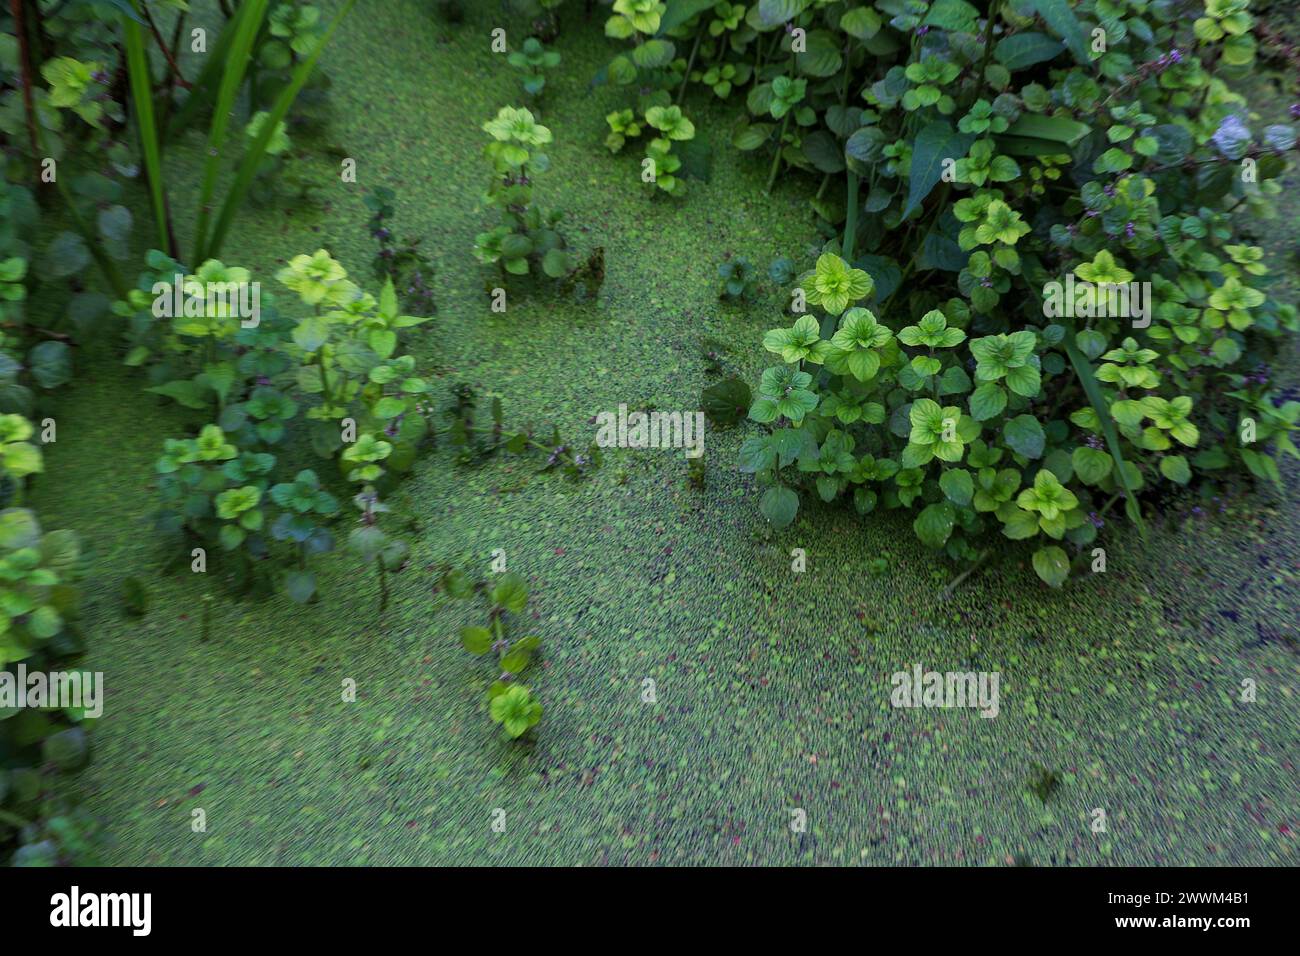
[(532, 59), (526, 237), (510, 703), (995, 167), (39, 611), (737, 277), (405, 263), (337, 369)]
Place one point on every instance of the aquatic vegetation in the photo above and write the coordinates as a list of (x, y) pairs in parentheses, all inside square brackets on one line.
[(511, 704)]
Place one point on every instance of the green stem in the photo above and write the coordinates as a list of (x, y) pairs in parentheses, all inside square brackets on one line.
[(686, 77), (776, 160), (851, 216), (974, 566), (994, 9)]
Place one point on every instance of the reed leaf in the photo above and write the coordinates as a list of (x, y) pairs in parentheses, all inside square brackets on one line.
[(257, 149), (236, 65), (137, 64)]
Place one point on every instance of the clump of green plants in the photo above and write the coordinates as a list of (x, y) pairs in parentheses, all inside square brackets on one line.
[(476, 440), (403, 262), (39, 631), (526, 238), (543, 15), (1043, 783), (1090, 331), (511, 704), (336, 372), (376, 547), (532, 59), (738, 279), (82, 68)]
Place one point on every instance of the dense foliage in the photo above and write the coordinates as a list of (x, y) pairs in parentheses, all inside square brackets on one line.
[(992, 158)]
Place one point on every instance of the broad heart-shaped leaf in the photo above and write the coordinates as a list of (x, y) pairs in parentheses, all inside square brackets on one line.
[(955, 15), (18, 528), (300, 585), (726, 402), (1176, 469), (1026, 49), (934, 524), (679, 11), (957, 485), (936, 142), (885, 274), (775, 12), (1052, 564), (824, 152), (1092, 465), (510, 592), (476, 640), (987, 401), (752, 136), (779, 505), (1060, 18), (1024, 435), (757, 454), (50, 364)]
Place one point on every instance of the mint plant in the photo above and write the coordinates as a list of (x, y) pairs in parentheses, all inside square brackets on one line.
[(532, 60), (510, 703), (526, 238), (1033, 184)]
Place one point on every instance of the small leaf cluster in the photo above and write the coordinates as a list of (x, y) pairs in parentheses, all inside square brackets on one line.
[(511, 704)]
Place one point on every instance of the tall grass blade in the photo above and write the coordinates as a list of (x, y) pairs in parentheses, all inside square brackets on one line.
[(203, 89), (236, 65), (137, 65), (257, 149), (1083, 368)]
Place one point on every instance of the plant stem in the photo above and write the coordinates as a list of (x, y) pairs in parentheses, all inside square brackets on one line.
[(167, 53), (994, 10), (686, 77), (25, 60), (776, 160), (851, 216), (974, 566)]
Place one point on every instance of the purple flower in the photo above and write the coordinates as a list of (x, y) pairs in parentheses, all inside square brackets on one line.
[(1295, 110), (922, 31), (1094, 442), (1130, 230), (1096, 520)]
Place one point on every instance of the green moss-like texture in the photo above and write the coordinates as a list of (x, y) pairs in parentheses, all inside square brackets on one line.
[(772, 687)]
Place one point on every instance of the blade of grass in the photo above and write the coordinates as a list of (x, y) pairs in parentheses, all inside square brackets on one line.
[(137, 65), (204, 85), (257, 149), (1088, 380), (236, 65), (1083, 369)]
